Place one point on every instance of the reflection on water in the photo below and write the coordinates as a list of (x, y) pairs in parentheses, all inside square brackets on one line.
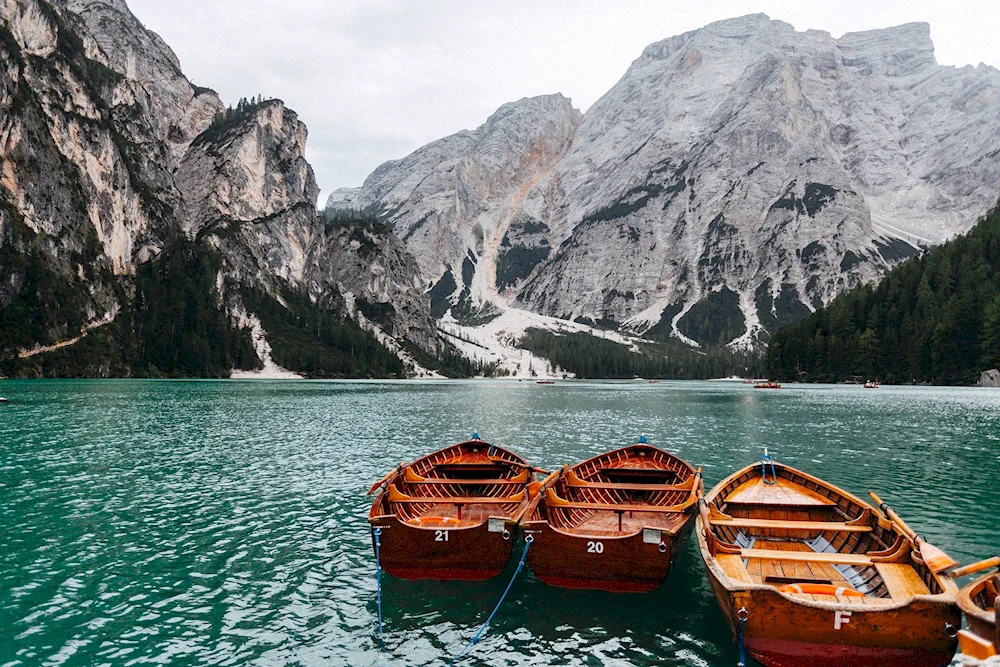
[(224, 523)]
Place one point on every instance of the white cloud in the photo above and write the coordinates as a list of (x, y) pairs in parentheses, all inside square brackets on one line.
[(375, 79)]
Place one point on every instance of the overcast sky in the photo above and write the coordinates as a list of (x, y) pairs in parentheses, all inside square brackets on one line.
[(376, 79)]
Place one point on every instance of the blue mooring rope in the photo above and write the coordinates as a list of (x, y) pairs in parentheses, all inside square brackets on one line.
[(527, 543), (764, 460), (378, 580), (742, 615)]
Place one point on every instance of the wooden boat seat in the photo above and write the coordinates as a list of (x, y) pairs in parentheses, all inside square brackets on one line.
[(901, 580), (397, 496), (811, 526), (411, 477), (575, 481), (553, 500), (733, 566), (857, 560)]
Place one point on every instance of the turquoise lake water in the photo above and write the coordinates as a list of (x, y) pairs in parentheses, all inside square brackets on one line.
[(224, 522)]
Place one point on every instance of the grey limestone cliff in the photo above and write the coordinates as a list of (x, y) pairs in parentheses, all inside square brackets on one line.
[(735, 178)]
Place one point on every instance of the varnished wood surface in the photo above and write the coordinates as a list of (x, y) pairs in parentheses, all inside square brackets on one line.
[(782, 493), (434, 515), (756, 538), (807, 526)]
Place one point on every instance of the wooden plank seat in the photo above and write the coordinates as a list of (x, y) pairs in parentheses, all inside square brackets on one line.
[(901, 580), (859, 560), (553, 500), (411, 477), (811, 526), (397, 496), (577, 482), (733, 566)]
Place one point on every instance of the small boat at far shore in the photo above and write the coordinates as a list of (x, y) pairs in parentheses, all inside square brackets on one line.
[(871, 384), (616, 522), (451, 514), (767, 385), (807, 574), (980, 601), (545, 382)]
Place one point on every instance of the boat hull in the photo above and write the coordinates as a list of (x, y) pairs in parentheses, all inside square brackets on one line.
[(919, 634), (615, 564), (465, 554)]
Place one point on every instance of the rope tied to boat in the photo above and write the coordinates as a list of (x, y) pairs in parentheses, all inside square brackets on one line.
[(766, 459), (742, 615), (475, 638), (378, 584)]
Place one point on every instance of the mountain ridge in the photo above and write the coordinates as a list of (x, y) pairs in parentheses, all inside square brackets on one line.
[(122, 185), (743, 171)]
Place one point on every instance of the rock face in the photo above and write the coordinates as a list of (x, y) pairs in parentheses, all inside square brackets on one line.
[(735, 178), (108, 151), (990, 378)]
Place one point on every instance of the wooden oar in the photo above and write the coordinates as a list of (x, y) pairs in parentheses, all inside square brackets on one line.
[(937, 560), (385, 479), (975, 567)]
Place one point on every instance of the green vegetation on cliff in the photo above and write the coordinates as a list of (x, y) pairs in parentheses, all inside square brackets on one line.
[(933, 319), (590, 356)]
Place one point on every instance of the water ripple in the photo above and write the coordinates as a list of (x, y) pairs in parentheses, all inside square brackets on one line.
[(224, 523)]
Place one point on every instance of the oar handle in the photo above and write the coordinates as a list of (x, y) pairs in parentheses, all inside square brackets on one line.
[(910, 533), (976, 567), (381, 482)]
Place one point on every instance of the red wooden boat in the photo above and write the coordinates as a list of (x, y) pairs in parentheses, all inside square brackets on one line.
[(767, 385), (616, 522), (821, 578), (451, 514), (980, 601)]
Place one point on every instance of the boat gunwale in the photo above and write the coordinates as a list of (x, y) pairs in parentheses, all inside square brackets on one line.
[(397, 475), (947, 596), (968, 605), (645, 445), (528, 525)]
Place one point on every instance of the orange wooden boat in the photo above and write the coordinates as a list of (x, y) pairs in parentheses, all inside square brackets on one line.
[(815, 576), (451, 514), (980, 601), (616, 522)]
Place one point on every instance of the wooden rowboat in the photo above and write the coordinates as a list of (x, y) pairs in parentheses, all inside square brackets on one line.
[(980, 601), (616, 522), (767, 385), (451, 514), (815, 576)]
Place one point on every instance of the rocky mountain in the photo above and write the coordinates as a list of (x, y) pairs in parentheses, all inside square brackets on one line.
[(735, 178), (129, 194)]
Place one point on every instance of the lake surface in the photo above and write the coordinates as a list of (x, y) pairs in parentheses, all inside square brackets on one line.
[(184, 523)]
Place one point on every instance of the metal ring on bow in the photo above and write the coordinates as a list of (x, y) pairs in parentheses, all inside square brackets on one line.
[(662, 548), (529, 539), (743, 614), (506, 534)]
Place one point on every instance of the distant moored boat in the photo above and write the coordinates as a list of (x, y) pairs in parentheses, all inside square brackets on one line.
[(767, 385)]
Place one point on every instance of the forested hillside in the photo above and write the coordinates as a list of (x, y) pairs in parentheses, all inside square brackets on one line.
[(588, 356), (932, 319)]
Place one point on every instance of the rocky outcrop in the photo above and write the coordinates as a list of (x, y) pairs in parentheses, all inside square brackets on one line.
[(990, 378), (736, 177), (108, 152)]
